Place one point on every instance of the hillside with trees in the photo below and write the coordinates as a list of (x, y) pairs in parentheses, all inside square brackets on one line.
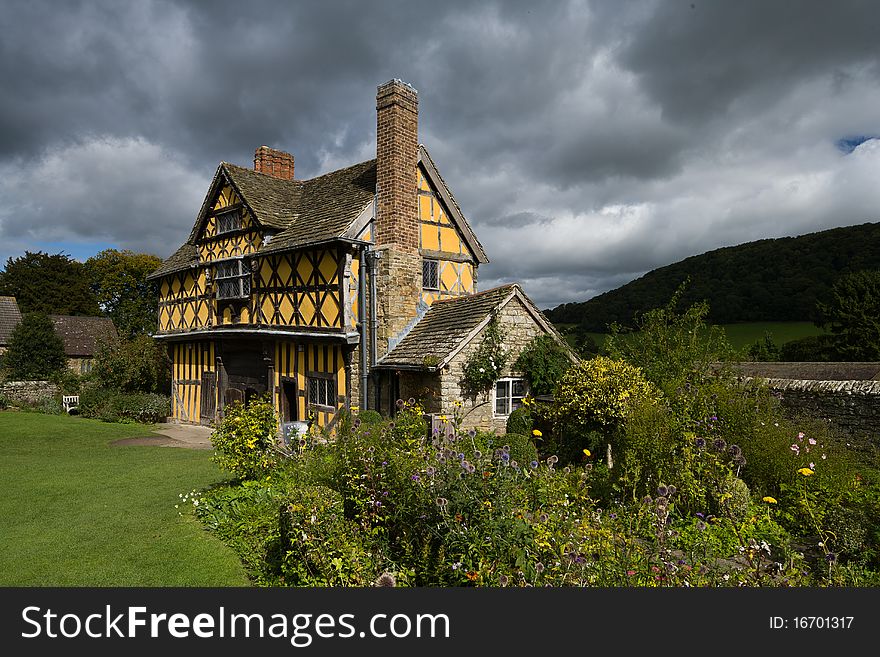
[(768, 280)]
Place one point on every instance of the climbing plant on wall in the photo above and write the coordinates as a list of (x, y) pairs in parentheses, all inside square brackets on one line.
[(486, 364)]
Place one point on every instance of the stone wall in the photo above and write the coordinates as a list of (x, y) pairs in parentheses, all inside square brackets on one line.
[(519, 328), (853, 407), (28, 391)]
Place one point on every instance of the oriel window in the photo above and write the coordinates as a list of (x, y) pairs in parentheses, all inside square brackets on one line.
[(233, 279)]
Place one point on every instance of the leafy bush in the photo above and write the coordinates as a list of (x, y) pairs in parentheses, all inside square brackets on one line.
[(520, 421), (245, 440), (137, 365), (543, 362), (369, 417), (320, 546), (113, 406), (599, 392)]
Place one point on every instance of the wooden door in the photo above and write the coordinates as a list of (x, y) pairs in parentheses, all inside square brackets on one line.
[(209, 397)]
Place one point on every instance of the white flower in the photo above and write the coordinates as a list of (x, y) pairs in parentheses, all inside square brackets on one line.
[(482, 370)]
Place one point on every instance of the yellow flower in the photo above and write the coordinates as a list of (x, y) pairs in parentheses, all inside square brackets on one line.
[(806, 472), (587, 452), (537, 432), (769, 500)]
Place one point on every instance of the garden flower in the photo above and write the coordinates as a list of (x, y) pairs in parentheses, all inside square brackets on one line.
[(801, 435), (812, 466), (587, 452), (806, 472), (769, 500), (537, 433), (534, 464), (794, 448), (662, 491)]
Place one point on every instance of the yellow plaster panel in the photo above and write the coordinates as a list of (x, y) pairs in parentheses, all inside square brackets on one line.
[(304, 270), (449, 241), (265, 272), (286, 308), (467, 278), (227, 316), (328, 266), (284, 271), (448, 276), (306, 308), (430, 237), (245, 317), (424, 207), (330, 310)]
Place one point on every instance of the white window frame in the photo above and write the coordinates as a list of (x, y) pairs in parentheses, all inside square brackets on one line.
[(323, 388), (436, 263), (510, 397), (239, 275)]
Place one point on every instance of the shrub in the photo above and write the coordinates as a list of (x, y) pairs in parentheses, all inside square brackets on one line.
[(370, 417), (520, 421), (320, 547), (543, 362), (137, 365), (113, 406), (600, 392), (245, 439)]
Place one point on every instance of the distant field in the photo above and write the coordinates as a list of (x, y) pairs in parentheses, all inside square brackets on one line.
[(742, 336)]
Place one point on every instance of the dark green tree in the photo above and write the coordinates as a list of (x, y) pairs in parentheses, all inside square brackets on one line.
[(119, 281), (50, 284), (543, 362), (852, 314), (764, 349), (35, 351)]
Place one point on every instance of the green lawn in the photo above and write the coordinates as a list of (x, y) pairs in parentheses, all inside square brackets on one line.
[(77, 511)]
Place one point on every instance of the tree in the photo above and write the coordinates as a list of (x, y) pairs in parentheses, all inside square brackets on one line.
[(35, 351), (543, 362), (119, 281), (50, 284), (137, 365), (852, 313)]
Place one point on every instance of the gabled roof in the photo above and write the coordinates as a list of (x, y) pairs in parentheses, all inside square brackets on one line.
[(300, 213), (81, 335), (450, 324), (10, 316)]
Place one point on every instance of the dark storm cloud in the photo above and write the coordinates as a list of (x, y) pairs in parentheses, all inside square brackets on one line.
[(587, 142)]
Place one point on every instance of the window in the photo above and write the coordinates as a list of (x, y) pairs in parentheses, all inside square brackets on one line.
[(509, 395), (233, 279), (322, 392), (430, 275), (228, 221)]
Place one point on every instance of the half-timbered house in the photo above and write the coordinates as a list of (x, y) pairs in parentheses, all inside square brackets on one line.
[(307, 290)]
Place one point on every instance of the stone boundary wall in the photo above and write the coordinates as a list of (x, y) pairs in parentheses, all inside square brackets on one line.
[(851, 406), (29, 391)]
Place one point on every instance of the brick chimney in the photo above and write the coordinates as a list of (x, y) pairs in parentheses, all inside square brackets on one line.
[(397, 154), (275, 163), (399, 265)]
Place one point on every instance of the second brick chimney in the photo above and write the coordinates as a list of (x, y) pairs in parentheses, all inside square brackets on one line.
[(275, 163)]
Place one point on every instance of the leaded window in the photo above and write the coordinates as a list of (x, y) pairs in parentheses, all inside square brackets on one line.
[(233, 279), (322, 392), (229, 221), (430, 275)]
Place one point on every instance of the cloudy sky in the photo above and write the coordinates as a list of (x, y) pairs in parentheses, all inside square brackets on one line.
[(587, 142)]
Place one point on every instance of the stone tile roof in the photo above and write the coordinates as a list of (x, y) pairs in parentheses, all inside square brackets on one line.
[(301, 212), (10, 316), (443, 328), (81, 335)]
